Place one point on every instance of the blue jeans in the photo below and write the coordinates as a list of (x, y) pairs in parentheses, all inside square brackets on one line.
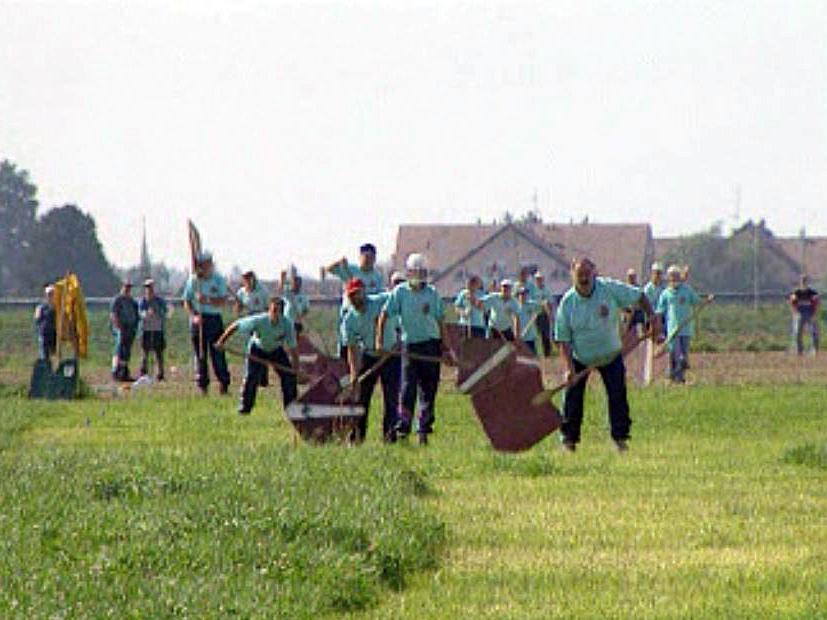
[(614, 380), (124, 337), (678, 358), (801, 320)]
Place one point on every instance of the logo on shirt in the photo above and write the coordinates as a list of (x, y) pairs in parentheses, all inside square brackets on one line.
[(603, 310)]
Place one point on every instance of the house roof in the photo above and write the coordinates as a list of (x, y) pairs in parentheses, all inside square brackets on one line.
[(613, 247)]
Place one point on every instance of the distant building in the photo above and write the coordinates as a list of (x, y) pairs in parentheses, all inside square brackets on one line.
[(454, 251)]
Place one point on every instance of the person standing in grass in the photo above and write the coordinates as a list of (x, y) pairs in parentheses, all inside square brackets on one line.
[(633, 316), (503, 312), (420, 311), (470, 314), (273, 340), (365, 271), (153, 311), (251, 297), (676, 304), (804, 303), (544, 297), (44, 322), (359, 335), (654, 287), (528, 312), (297, 305), (205, 294), (123, 317), (587, 330)]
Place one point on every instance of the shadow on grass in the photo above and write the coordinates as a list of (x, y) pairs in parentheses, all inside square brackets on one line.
[(809, 454)]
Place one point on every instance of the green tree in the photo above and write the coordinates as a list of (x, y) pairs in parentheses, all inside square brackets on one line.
[(65, 239), (18, 208)]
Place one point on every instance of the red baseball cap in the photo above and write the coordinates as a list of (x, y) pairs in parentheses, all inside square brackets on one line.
[(353, 285)]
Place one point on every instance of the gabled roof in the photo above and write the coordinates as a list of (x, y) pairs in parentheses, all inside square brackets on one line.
[(521, 231)]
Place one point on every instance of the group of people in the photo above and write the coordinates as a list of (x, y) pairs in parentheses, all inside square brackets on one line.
[(393, 332)]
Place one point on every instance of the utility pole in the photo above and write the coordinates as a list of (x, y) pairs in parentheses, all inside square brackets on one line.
[(755, 253), (802, 235)]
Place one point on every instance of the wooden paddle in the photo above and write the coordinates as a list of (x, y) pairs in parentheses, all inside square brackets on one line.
[(661, 349)]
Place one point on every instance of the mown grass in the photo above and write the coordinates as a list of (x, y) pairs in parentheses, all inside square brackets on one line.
[(178, 509), (153, 508)]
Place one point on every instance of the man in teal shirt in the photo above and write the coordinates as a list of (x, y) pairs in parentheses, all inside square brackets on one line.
[(271, 333), (470, 314), (359, 335), (503, 312), (528, 312), (675, 305), (421, 313), (654, 287), (205, 294), (587, 329), (366, 271), (543, 296), (297, 305)]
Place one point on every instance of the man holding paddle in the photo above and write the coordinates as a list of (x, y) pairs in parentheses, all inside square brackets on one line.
[(676, 305), (587, 329), (205, 294), (272, 333), (421, 313), (359, 335)]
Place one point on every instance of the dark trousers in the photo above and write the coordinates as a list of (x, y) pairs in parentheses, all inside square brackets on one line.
[(389, 373), (255, 370), (153, 342), (46, 345), (531, 345), (124, 337), (424, 377), (212, 327), (678, 358), (614, 379), (477, 332), (544, 327), (507, 334)]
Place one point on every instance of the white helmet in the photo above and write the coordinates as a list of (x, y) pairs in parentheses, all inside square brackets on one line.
[(415, 262)]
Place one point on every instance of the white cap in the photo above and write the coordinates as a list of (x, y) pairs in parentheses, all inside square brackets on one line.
[(506, 282), (415, 262), (657, 266), (538, 275), (49, 289), (673, 269), (398, 276)]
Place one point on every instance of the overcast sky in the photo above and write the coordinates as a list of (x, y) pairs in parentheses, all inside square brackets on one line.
[(297, 130)]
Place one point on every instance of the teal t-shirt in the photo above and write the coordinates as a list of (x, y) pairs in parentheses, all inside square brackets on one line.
[(526, 313), (527, 285), (653, 292), (214, 286), (268, 335), (469, 314), (420, 312), (676, 304), (500, 311), (373, 280), (359, 328), (542, 295), (296, 305), (591, 325), (255, 301)]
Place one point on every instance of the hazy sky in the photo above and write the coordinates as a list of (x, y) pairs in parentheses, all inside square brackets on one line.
[(296, 130)]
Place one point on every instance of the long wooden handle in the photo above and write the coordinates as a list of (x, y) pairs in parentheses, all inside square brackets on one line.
[(674, 333), (276, 366)]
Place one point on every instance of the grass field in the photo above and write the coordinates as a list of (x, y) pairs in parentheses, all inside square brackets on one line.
[(165, 505)]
